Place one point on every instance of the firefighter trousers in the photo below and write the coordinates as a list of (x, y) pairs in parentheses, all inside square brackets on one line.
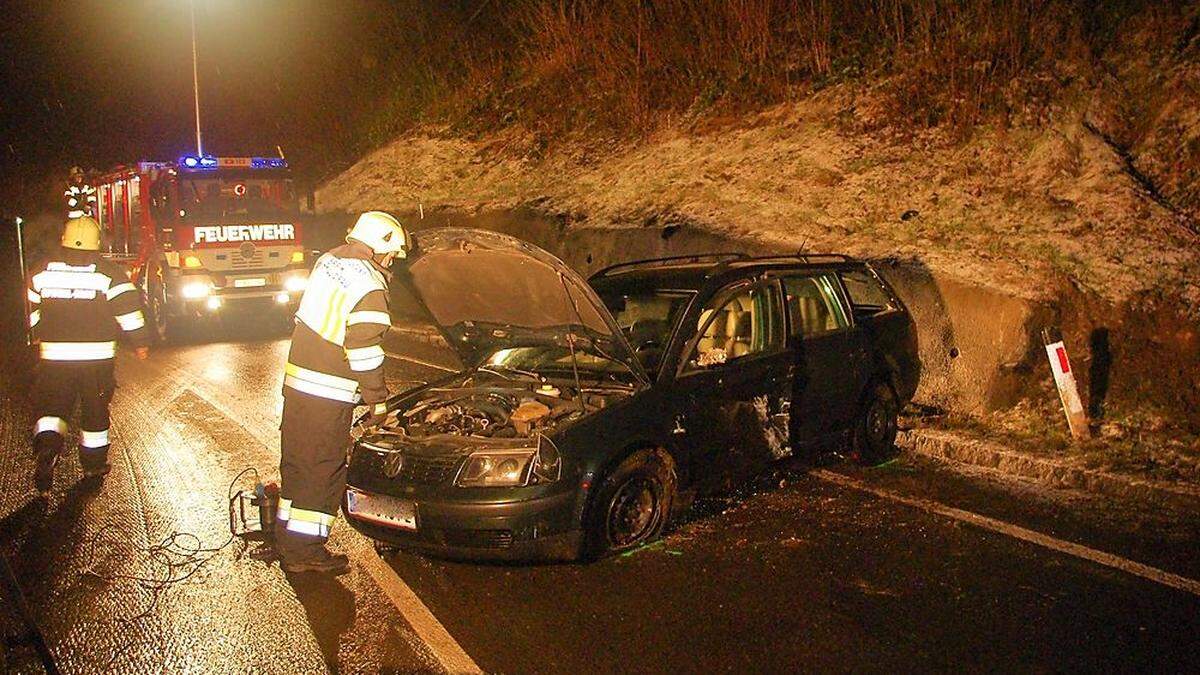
[(60, 384), (314, 439)]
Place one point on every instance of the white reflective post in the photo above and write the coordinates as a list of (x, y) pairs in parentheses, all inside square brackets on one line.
[(1064, 379), (24, 295)]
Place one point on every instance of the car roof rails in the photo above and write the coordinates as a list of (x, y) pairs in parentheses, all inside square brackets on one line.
[(803, 257), (696, 258)]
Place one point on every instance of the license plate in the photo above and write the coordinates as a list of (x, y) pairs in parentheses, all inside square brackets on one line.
[(249, 283), (392, 511)]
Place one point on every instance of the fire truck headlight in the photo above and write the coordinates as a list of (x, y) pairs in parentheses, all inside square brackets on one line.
[(196, 289), (297, 256), (295, 283), (282, 298), (192, 261)]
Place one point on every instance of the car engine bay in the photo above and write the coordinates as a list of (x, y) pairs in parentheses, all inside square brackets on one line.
[(487, 411)]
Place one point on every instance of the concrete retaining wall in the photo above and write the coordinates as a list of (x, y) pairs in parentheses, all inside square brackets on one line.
[(979, 347)]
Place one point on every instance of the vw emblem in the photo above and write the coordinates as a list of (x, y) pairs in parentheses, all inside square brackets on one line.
[(393, 464), (247, 250)]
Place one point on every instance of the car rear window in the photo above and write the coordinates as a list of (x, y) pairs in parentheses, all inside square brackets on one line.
[(865, 291)]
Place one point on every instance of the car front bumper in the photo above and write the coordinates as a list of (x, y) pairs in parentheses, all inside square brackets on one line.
[(541, 527)]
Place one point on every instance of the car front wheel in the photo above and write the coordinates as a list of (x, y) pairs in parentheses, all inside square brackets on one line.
[(875, 430), (632, 504)]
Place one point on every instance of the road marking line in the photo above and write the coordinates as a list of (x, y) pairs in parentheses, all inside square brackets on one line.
[(1070, 548), (427, 627)]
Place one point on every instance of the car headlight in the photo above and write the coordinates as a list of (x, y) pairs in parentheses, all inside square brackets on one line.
[(196, 289), (295, 283), (511, 468)]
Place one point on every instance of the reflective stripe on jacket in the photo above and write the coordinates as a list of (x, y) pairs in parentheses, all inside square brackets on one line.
[(80, 304), (337, 346), (81, 200)]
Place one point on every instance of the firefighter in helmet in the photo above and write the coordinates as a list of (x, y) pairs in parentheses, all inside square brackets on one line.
[(81, 304), (335, 362), (81, 197)]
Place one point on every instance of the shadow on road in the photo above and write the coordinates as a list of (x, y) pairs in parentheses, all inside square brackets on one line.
[(35, 550), (329, 607)]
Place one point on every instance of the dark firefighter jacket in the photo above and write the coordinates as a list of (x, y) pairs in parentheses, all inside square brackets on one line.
[(80, 304), (337, 350)]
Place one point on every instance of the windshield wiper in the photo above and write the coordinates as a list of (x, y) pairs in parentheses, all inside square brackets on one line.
[(495, 370)]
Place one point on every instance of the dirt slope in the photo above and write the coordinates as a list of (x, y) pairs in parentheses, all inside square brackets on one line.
[(1010, 209)]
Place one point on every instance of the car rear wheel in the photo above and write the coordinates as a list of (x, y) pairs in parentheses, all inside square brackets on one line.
[(632, 504), (875, 431)]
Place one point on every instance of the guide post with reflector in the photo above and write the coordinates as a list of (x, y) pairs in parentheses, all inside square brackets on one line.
[(1064, 379)]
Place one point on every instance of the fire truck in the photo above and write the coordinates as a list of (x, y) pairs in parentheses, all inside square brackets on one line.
[(203, 235)]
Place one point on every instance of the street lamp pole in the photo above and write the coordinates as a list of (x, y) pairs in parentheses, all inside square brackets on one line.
[(196, 81)]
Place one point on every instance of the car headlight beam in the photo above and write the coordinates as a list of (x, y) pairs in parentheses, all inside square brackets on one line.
[(295, 283), (194, 290)]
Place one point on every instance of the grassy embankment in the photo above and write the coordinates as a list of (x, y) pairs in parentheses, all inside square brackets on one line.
[(1041, 148)]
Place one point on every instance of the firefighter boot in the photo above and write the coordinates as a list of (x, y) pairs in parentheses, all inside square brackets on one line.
[(94, 464), (300, 553), (47, 446), (95, 472)]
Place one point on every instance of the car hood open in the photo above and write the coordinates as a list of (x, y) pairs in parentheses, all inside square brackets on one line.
[(485, 290)]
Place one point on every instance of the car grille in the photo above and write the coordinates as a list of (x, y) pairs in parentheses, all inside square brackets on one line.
[(427, 470)]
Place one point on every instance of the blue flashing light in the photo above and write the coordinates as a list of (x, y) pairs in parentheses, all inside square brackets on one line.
[(268, 163), (210, 162), (202, 162)]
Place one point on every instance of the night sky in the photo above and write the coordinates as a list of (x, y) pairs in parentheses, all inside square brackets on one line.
[(99, 82)]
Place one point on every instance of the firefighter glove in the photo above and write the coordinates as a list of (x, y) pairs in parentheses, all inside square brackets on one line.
[(375, 416)]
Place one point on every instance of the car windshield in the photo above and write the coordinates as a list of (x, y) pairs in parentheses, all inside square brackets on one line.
[(646, 317), (557, 360)]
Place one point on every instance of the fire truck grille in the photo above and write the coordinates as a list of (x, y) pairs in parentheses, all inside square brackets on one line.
[(254, 261)]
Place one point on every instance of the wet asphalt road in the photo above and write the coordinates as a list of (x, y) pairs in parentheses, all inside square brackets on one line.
[(793, 573)]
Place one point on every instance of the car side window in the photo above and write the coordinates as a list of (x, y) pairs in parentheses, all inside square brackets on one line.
[(867, 295), (750, 322), (813, 305)]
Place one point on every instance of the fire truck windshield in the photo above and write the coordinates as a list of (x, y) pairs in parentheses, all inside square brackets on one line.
[(235, 200)]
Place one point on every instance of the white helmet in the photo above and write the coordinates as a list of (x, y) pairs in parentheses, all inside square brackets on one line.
[(382, 232)]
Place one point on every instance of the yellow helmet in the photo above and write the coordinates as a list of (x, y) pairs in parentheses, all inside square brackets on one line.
[(382, 232), (81, 233)]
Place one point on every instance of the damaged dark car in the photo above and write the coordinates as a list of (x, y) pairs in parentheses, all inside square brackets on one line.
[(586, 415)]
